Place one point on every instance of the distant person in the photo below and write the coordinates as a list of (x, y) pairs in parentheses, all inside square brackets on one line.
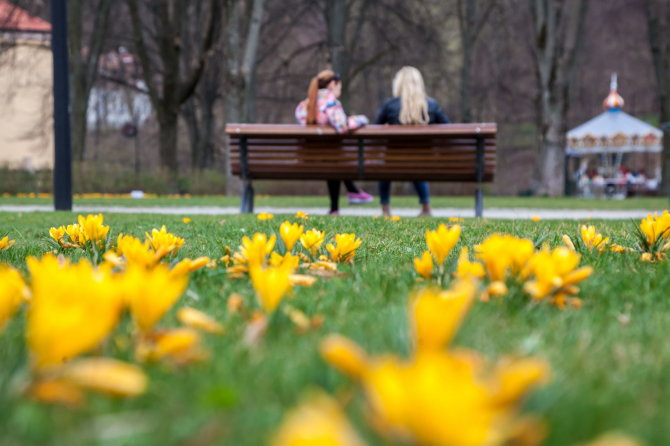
[(323, 107), (409, 106)]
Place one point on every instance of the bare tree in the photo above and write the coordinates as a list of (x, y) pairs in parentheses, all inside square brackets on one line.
[(658, 19), (472, 17), (557, 28), (158, 28), (84, 55)]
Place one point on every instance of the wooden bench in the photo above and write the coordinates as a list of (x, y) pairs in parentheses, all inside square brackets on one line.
[(443, 152)]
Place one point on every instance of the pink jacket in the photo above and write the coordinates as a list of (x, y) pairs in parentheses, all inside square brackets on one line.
[(330, 112)]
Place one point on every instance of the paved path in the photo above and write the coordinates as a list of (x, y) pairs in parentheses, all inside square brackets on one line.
[(504, 213)]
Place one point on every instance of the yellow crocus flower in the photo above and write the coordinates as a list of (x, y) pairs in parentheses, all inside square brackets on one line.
[(555, 271), (265, 216), (58, 234), (442, 241), (92, 228), (503, 254), (593, 239), (6, 243), (317, 421), (312, 240), (76, 235), (150, 293), (345, 247), (137, 252), (301, 215), (12, 292), (656, 228), (435, 315), (271, 284), (255, 250), (187, 265), (290, 234), (424, 265), (465, 269), (344, 354), (568, 241), (288, 260), (73, 308), (164, 241)]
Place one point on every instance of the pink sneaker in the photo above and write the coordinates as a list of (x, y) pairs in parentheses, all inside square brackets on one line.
[(361, 197), (334, 213)]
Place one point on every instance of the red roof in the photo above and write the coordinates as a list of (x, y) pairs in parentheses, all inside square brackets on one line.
[(14, 18)]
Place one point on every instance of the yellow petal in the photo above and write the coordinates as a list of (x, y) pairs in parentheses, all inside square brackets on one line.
[(107, 375), (197, 319), (436, 315), (344, 354), (318, 421)]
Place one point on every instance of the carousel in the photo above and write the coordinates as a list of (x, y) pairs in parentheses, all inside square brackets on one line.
[(614, 154)]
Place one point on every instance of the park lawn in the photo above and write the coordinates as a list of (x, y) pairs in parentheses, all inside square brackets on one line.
[(463, 202), (609, 359)]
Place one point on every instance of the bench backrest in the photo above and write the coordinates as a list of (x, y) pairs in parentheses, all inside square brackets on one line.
[(443, 152)]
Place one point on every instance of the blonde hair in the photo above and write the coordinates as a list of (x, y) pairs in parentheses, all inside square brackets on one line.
[(319, 81), (408, 85)]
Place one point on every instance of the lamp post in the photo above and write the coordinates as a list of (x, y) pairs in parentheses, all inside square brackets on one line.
[(61, 93)]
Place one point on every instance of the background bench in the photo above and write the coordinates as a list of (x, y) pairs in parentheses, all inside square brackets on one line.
[(443, 152)]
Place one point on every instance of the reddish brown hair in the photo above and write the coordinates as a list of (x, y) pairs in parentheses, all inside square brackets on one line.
[(319, 81)]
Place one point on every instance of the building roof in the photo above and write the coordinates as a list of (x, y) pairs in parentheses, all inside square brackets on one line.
[(614, 131), (13, 18)]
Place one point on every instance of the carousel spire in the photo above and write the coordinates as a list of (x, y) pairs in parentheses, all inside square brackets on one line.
[(613, 101)]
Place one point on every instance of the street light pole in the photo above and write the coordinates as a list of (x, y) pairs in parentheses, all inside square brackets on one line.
[(61, 93)]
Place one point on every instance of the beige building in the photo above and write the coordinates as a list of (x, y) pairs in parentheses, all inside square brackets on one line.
[(26, 104)]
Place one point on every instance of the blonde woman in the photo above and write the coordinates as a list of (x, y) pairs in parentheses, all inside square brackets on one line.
[(323, 107), (409, 106)]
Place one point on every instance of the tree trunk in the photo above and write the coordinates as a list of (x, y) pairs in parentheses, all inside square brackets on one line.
[(167, 141), (557, 27), (660, 51), (551, 159), (336, 22)]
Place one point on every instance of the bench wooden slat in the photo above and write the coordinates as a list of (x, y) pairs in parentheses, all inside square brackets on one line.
[(443, 152)]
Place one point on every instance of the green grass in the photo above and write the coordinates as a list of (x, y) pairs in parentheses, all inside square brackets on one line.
[(646, 203), (605, 374)]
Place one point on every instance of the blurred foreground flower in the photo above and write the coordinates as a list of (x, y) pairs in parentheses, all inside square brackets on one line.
[(465, 269), (439, 397), (150, 293), (317, 421), (73, 308), (193, 318), (424, 265), (6, 243), (13, 291), (271, 284)]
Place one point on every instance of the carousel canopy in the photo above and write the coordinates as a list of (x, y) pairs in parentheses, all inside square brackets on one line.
[(613, 131)]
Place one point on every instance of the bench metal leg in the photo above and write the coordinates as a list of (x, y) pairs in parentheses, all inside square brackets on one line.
[(247, 206), (479, 194), (479, 202)]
